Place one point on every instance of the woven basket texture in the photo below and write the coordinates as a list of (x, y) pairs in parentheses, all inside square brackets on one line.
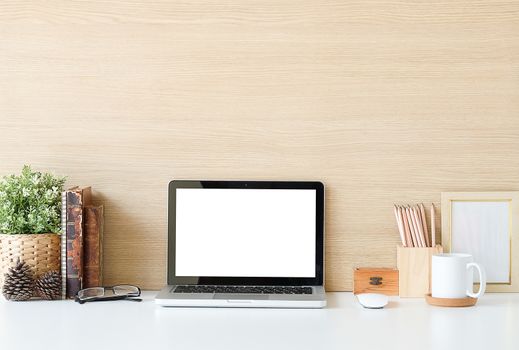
[(40, 251)]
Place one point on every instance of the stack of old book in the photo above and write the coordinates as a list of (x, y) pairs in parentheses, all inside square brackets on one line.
[(81, 241)]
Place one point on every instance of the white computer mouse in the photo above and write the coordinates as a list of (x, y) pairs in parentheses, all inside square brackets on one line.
[(372, 300)]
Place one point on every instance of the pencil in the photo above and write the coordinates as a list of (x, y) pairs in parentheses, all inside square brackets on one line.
[(400, 228), (411, 228), (409, 241), (415, 227), (433, 226), (418, 223), (424, 225)]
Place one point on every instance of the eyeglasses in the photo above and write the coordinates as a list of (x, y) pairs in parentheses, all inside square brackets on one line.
[(119, 292)]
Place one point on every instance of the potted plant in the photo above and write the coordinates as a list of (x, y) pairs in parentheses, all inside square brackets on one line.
[(30, 221)]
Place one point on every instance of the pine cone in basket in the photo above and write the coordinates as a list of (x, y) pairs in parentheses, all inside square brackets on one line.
[(18, 282), (48, 286)]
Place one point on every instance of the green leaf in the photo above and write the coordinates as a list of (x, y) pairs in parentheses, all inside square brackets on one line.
[(30, 202)]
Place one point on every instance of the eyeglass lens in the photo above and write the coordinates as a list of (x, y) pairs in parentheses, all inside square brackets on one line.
[(91, 292), (125, 289)]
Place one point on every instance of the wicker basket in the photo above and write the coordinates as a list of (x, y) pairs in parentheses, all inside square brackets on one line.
[(40, 251)]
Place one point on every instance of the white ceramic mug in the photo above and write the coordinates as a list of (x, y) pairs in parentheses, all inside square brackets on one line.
[(452, 276)]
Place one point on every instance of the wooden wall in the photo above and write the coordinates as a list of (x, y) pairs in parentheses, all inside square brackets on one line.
[(383, 101)]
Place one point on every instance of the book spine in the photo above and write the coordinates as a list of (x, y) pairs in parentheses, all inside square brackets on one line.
[(63, 258), (92, 244), (74, 242)]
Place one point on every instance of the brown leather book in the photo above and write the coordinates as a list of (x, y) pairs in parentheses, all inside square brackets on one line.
[(76, 199), (93, 246)]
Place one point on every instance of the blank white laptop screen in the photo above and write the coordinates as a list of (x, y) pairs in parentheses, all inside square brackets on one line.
[(245, 232)]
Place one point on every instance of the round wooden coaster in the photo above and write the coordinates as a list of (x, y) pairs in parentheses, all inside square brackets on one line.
[(448, 302)]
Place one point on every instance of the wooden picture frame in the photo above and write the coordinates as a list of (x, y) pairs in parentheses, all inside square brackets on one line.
[(485, 225)]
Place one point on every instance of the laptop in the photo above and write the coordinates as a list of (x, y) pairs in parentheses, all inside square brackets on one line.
[(245, 244)]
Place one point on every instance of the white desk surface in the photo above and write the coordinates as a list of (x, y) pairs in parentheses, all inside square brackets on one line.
[(404, 324)]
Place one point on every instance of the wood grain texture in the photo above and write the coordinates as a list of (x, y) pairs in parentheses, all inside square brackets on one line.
[(414, 270), (375, 280), (449, 302), (386, 102)]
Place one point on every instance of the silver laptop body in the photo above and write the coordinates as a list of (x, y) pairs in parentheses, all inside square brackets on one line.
[(245, 244)]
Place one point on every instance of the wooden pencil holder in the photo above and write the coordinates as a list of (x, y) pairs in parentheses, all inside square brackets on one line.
[(414, 269)]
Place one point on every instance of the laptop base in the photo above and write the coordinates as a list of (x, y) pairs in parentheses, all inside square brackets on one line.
[(315, 300)]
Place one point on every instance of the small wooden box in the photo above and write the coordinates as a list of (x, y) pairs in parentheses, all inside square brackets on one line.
[(375, 280), (414, 267)]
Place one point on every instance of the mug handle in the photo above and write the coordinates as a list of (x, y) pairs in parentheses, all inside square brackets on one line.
[(482, 281)]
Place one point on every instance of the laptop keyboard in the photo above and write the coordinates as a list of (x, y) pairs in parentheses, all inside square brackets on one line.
[(243, 289)]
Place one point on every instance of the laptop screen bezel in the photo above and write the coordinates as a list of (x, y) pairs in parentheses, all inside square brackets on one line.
[(266, 281)]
